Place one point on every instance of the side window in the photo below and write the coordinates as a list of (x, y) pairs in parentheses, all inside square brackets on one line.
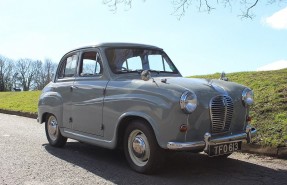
[(158, 62), (132, 63), (68, 67), (91, 64)]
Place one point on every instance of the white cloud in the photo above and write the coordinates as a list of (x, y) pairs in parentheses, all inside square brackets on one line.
[(278, 20), (280, 64)]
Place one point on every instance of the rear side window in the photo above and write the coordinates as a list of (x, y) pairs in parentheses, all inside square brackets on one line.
[(69, 67)]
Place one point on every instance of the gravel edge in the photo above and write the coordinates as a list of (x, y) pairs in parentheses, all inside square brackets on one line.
[(19, 113), (279, 152)]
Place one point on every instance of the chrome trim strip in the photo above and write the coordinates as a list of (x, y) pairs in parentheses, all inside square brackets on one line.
[(87, 137), (186, 145)]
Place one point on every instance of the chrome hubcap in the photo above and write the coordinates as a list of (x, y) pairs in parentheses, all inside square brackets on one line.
[(53, 128), (138, 147)]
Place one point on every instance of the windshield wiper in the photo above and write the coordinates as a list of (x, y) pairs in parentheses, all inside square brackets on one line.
[(129, 70), (152, 70), (139, 71)]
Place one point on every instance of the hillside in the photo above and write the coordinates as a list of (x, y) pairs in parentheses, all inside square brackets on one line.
[(269, 112)]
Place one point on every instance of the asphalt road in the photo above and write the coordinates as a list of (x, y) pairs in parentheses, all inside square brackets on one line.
[(26, 158)]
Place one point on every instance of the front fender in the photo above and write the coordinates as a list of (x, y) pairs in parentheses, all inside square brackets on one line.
[(142, 115), (52, 103)]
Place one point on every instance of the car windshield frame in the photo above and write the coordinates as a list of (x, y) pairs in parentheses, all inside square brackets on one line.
[(117, 56)]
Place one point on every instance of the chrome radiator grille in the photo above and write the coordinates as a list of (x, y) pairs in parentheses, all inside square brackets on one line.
[(221, 111)]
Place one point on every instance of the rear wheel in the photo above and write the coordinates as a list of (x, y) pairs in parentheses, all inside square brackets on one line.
[(141, 149), (53, 133)]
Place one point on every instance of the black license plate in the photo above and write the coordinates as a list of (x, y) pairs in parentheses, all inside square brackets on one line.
[(226, 148)]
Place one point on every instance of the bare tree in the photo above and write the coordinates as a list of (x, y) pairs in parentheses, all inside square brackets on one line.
[(44, 73), (180, 6), (27, 70), (50, 69), (6, 70), (37, 80), (15, 81)]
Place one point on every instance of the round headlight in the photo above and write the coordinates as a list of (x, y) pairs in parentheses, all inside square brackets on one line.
[(188, 102), (247, 97)]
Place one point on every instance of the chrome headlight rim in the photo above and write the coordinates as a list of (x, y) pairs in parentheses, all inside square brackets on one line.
[(188, 102), (247, 97)]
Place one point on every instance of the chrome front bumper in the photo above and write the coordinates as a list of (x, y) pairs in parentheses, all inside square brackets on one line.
[(250, 132)]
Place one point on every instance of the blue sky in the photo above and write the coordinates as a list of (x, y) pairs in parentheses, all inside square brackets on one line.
[(199, 43)]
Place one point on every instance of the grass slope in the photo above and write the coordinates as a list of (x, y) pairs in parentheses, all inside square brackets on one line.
[(20, 101), (269, 112)]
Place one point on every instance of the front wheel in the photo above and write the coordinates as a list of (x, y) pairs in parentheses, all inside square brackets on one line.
[(53, 133), (141, 149)]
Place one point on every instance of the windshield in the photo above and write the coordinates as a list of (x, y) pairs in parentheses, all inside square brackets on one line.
[(128, 60)]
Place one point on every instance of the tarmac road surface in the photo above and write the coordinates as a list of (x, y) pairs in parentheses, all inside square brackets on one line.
[(26, 158)]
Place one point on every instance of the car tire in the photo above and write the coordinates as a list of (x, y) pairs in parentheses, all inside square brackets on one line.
[(53, 133), (141, 149)]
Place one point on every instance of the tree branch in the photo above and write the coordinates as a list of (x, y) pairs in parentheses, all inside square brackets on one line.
[(246, 13), (113, 4), (180, 6)]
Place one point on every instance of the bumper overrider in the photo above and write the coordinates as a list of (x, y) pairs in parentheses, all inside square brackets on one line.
[(250, 132)]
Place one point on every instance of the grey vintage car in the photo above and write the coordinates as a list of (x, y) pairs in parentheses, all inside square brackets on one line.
[(131, 96)]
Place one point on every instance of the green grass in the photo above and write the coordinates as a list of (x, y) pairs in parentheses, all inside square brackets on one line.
[(20, 101), (269, 112)]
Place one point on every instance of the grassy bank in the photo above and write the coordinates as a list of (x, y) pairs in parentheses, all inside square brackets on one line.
[(269, 112), (20, 101)]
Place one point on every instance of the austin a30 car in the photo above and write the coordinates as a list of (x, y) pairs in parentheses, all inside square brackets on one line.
[(131, 96)]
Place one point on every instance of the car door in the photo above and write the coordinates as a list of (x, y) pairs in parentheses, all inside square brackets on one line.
[(64, 81), (88, 94)]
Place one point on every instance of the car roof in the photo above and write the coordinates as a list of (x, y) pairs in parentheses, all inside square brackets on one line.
[(118, 45)]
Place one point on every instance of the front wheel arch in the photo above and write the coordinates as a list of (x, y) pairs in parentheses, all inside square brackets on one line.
[(44, 117), (123, 124)]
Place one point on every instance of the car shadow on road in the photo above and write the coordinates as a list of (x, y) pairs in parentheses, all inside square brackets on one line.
[(179, 168)]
